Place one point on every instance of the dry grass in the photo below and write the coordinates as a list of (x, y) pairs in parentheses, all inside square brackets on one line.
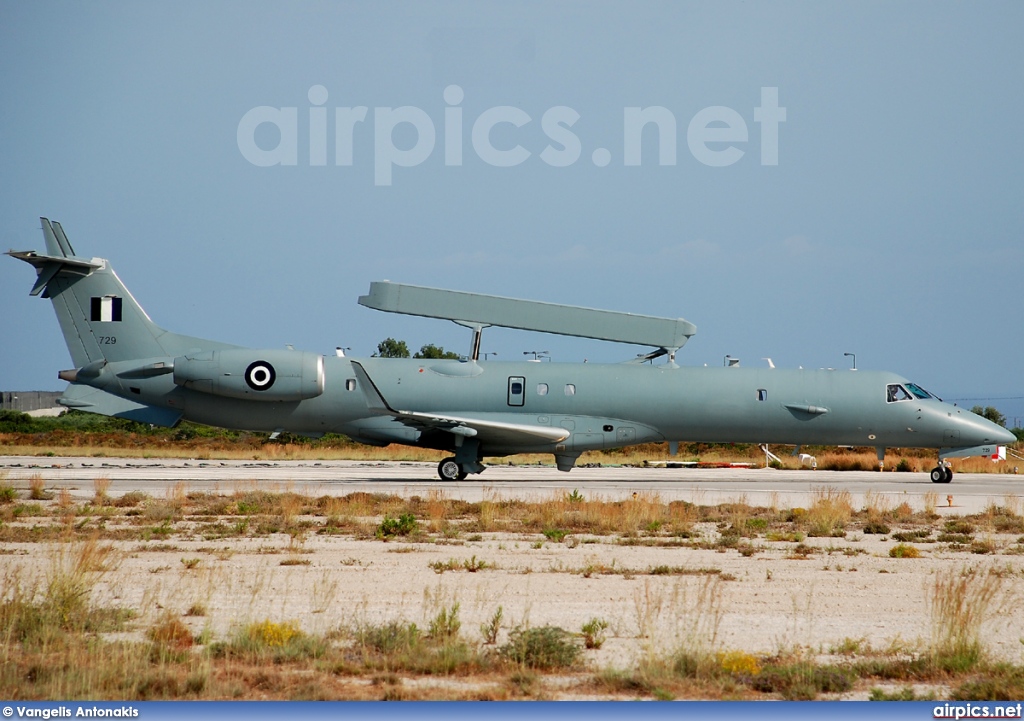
[(53, 642), (37, 488), (101, 486), (961, 602), (830, 511)]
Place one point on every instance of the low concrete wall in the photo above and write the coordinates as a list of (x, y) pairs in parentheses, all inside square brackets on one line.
[(26, 401)]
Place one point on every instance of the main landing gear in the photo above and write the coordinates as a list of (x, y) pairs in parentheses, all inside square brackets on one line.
[(451, 470), (942, 474)]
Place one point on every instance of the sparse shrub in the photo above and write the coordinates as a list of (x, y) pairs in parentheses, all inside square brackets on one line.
[(574, 497), (543, 648), (441, 566), (296, 562), (902, 550), (789, 536), (876, 527), (593, 633), (269, 633), (37, 488), (404, 525), (829, 512), (170, 632), (132, 498), (907, 536), (196, 609), (959, 527), (8, 494), (757, 524), (1008, 524), (955, 539), (738, 663), (100, 488), (850, 646), (802, 681), (730, 538), (747, 550), (446, 624), (271, 640), (555, 534), (1003, 684), (802, 550), (390, 637), (905, 693), (905, 466), (473, 564), (490, 630), (984, 547)]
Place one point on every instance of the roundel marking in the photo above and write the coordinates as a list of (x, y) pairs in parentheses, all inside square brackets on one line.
[(260, 375)]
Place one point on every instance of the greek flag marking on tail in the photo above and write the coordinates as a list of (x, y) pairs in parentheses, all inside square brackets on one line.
[(106, 309)]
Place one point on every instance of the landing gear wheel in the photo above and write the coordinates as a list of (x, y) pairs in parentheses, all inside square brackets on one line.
[(941, 474), (450, 470), (949, 474)]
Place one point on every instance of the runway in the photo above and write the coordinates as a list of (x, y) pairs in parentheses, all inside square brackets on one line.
[(971, 493)]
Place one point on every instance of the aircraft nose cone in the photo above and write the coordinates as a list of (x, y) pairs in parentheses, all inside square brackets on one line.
[(984, 431), (1004, 437)]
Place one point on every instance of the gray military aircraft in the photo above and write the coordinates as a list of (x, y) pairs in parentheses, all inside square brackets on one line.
[(127, 366)]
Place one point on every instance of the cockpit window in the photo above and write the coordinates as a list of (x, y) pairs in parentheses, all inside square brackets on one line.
[(918, 391), (895, 392)]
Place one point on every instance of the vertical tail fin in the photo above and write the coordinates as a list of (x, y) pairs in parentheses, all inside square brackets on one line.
[(98, 316)]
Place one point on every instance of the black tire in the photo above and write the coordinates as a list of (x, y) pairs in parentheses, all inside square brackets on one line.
[(949, 475), (938, 475), (450, 470)]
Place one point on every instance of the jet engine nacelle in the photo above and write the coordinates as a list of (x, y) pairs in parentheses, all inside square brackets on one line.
[(263, 375)]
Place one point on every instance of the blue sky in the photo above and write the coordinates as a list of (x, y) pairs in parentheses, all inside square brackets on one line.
[(891, 225)]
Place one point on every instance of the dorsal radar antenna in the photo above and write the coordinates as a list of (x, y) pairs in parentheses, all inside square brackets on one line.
[(477, 311)]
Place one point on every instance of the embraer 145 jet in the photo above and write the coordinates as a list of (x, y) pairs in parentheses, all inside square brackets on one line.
[(126, 366)]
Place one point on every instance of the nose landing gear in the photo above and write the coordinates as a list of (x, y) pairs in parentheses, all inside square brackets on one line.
[(942, 474)]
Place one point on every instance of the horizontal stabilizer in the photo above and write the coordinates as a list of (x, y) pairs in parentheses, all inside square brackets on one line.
[(48, 266), (94, 400)]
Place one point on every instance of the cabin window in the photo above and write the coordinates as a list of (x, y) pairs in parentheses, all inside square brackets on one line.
[(350, 384), (570, 389), (516, 386), (894, 393), (762, 394), (542, 389)]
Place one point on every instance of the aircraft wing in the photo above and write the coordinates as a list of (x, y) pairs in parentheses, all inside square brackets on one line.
[(488, 431), (469, 426)]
